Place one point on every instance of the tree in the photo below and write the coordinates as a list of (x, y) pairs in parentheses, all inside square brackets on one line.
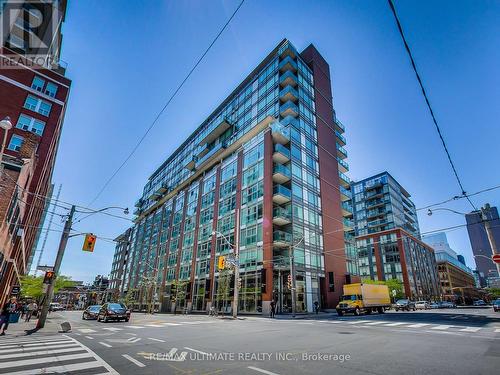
[(32, 286), (129, 298), (223, 288)]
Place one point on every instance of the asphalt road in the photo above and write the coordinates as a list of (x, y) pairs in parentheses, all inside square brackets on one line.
[(424, 342)]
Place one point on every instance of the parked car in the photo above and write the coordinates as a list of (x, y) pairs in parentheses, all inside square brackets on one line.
[(496, 305), (422, 305), (479, 302), (113, 311), (448, 305), (434, 305), (54, 306), (404, 304), (91, 312)]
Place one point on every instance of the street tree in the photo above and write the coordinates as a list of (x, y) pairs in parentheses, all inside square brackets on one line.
[(32, 286)]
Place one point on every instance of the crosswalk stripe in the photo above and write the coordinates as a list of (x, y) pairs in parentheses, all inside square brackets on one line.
[(418, 325), (441, 327), (154, 325), (65, 369), (31, 343), (104, 344), (171, 324), (35, 361), (43, 352), (394, 324), (113, 329), (87, 330), (133, 360), (135, 327), (359, 321), (375, 323), (159, 340), (35, 344), (470, 329), (497, 330), (25, 348)]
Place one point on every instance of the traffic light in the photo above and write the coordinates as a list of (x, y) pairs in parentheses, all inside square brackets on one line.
[(289, 282), (49, 276), (222, 262), (89, 243)]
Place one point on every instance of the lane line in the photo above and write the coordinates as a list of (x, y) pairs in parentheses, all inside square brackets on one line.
[(171, 324), (89, 337), (104, 344), (154, 325), (194, 350), (152, 338), (133, 360), (261, 370)]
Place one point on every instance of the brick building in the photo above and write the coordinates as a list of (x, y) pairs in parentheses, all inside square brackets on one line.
[(456, 280)]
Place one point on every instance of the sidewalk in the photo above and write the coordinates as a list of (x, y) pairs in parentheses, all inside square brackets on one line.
[(23, 329)]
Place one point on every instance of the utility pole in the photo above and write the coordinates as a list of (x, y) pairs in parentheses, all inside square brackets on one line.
[(57, 265), (236, 265), (292, 273), (489, 233)]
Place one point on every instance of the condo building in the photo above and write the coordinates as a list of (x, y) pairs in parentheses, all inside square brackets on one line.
[(263, 176)]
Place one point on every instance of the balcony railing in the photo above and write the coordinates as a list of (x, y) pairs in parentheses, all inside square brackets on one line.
[(281, 169), (346, 181), (376, 223), (289, 108), (289, 93), (341, 151), (138, 202), (340, 127), (374, 203), (217, 148), (288, 63), (348, 223), (282, 213), (341, 138), (280, 132), (343, 165), (282, 237), (288, 78), (345, 193), (347, 206), (281, 194)]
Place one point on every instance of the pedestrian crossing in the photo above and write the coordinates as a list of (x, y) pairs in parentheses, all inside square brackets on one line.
[(25, 355), (144, 326)]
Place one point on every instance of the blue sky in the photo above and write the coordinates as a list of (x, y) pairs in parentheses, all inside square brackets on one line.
[(126, 58)]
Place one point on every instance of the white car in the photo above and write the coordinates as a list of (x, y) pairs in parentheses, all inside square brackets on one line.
[(422, 305)]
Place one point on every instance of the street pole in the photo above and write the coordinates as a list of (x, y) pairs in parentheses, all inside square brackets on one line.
[(491, 239), (292, 274), (57, 265), (237, 265)]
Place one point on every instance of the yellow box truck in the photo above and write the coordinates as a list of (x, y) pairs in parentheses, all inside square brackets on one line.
[(359, 297)]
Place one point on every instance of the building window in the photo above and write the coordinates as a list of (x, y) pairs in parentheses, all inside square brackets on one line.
[(15, 143), (37, 105), (30, 124), (51, 89), (38, 84)]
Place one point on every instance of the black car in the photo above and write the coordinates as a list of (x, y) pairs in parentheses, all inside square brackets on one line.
[(113, 311), (91, 312), (404, 304)]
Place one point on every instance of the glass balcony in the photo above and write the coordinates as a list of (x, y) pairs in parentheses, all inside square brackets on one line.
[(345, 194), (376, 223), (288, 63), (288, 78), (289, 93), (344, 180), (348, 224), (346, 209), (154, 196), (162, 189), (343, 166), (372, 203), (191, 163), (281, 194), (338, 125), (216, 130), (289, 108), (218, 148), (280, 132), (287, 50), (281, 238), (138, 202), (289, 120), (281, 215), (341, 151), (281, 154), (340, 138), (374, 213), (281, 174)]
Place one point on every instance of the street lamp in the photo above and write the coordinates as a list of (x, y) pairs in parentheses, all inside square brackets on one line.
[(430, 212), (6, 125)]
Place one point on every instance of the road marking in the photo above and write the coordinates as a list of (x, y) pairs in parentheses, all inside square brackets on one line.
[(337, 321), (154, 325), (113, 329), (152, 338), (104, 364), (359, 321), (133, 360), (261, 370), (194, 350), (171, 324), (394, 324), (441, 327), (28, 354), (37, 347), (470, 329), (36, 361), (78, 334), (133, 340), (89, 337), (375, 323), (497, 330), (135, 327), (305, 323), (34, 343), (418, 325), (104, 344), (87, 330)]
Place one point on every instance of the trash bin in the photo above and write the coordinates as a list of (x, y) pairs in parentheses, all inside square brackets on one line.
[(14, 318)]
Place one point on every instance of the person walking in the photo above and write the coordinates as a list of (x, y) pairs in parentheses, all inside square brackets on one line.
[(32, 307), (273, 309), (316, 307), (8, 309)]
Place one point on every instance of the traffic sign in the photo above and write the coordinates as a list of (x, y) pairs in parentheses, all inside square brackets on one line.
[(496, 258)]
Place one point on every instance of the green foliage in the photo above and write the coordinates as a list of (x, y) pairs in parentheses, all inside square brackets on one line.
[(32, 286), (495, 292), (393, 284)]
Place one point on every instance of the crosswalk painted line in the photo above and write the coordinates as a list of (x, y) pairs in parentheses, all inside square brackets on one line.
[(87, 330), (470, 329), (442, 327), (394, 324), (359, 321), (133, 360), (135, 327), (171, 324), (154, 325), (159, 340), (375, 323), (55, 354), (418, 325), (104, 344), (113, 329)]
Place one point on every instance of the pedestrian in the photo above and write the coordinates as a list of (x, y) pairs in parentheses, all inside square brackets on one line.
[(24, 309), (273, 309), (31, 308), (316, 307), (8, 309)]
